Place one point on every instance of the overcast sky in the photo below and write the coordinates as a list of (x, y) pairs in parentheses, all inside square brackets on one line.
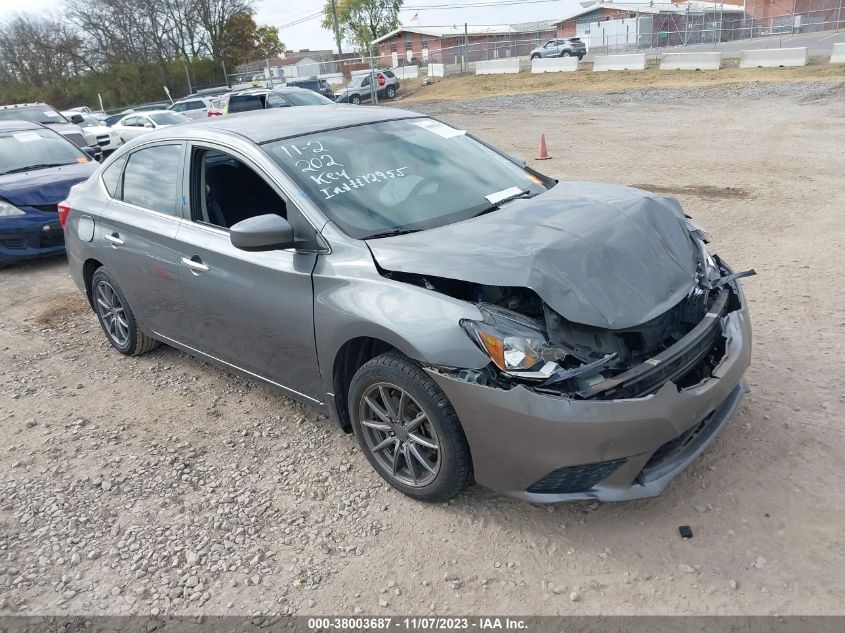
[(310, 35)]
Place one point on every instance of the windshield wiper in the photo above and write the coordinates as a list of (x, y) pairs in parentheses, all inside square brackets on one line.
[(38, 166), (497, 205), (392, 233)]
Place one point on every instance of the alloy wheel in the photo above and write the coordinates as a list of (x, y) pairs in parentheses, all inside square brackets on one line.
[(112, 314), (399, 434)]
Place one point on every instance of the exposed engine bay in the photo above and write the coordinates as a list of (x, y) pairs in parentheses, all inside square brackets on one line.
[(532, 345)]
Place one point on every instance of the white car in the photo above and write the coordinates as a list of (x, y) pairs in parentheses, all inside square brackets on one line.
[(138, 123), (96, 132), (192, 107)]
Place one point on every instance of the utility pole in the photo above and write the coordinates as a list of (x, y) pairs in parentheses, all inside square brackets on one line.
[(187, 74), (336, 27), (466, 48)]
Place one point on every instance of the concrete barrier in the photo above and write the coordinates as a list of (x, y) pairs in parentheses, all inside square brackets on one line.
[(554, 64), (437, 70), (691, 61), (773, 58), (635, 61), (507, 66), (406, 72), (837, 55)]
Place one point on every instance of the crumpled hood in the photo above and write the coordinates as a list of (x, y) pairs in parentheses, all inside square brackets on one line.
[(598, 254), (44, 186)]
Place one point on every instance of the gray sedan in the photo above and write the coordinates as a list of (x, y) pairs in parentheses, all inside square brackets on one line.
[(465, 316)]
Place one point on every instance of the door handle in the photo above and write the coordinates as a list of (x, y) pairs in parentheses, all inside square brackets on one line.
[(114, 238), (195, 265)]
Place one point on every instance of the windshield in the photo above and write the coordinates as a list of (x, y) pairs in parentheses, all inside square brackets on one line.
[(168, 118), (403, 175), (307, 98), (90, 121), (37, 149), (356, 81), (36, 114)]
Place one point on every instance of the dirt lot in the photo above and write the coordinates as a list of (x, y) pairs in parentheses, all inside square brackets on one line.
[(164, 485)]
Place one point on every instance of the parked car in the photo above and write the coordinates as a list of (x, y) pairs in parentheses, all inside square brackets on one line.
[(97, 132), (462, 314), (38, 166), (320, 86), (138, 123), (359, 89), (561, 47), (266, 98), (192, 107), (47, 115)]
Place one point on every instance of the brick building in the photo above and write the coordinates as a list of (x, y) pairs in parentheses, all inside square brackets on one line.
[(448, 44)]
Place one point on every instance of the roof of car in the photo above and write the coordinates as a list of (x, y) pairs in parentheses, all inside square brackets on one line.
[(148, 112), (23, 105), (262, 91), (261, 126), (16, 126)]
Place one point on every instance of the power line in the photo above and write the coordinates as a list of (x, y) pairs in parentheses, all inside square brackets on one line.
[(442, 7)]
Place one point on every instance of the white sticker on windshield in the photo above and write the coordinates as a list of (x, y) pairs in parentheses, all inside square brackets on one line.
[(26, 137), (493, 198), (439, 128), (50, 113)]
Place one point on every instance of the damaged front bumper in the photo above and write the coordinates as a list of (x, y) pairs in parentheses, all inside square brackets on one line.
[(547, 448)]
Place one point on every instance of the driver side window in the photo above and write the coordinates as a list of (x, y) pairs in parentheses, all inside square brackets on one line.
[(224, 190)]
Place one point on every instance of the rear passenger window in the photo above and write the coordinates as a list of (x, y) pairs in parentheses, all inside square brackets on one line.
[(111, 177), (151, 179)]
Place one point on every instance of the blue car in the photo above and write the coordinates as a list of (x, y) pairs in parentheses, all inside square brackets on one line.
[(37, 169)]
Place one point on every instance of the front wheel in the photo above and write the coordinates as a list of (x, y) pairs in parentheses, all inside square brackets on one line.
[(355, 100), (407, 429), (533, 57), (116, 317)]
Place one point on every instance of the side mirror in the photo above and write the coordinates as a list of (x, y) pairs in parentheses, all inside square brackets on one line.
[(262, 233), (77, 119), (90, 151)]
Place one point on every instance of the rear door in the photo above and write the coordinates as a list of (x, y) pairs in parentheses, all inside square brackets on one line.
[(251, 310), (138, 232)]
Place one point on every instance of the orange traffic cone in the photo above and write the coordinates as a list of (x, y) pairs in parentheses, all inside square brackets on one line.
[(544, 153)]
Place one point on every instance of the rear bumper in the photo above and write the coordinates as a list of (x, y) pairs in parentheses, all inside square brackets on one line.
[(518, 438)]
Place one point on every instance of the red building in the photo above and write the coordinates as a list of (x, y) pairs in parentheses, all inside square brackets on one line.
[(448, 44)]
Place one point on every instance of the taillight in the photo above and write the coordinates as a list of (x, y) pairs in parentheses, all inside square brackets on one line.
[(214, 112), (64, 210)]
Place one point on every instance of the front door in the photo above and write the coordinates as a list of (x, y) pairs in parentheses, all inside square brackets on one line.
[(252, 310)]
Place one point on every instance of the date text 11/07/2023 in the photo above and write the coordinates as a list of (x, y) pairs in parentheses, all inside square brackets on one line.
[(417, 623)]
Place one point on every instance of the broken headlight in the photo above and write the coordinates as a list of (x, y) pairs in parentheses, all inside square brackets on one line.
[(517, 345)]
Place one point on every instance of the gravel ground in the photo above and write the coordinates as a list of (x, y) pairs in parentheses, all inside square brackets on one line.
[(161, 484), (692, 96)]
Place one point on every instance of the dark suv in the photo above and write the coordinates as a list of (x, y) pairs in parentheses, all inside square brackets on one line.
[(320, 86), (561, 47)]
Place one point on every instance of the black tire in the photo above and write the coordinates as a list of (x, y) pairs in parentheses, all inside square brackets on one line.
[(533, 57), (355, 100), (454, 464), (135, 342), (391, 92), (566, 54)]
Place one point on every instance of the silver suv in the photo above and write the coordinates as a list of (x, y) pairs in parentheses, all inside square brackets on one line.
[(561, 47)]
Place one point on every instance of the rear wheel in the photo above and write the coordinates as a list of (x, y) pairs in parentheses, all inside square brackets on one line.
[(116, 317), (566, 54), (391, 92), (407, 429)]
